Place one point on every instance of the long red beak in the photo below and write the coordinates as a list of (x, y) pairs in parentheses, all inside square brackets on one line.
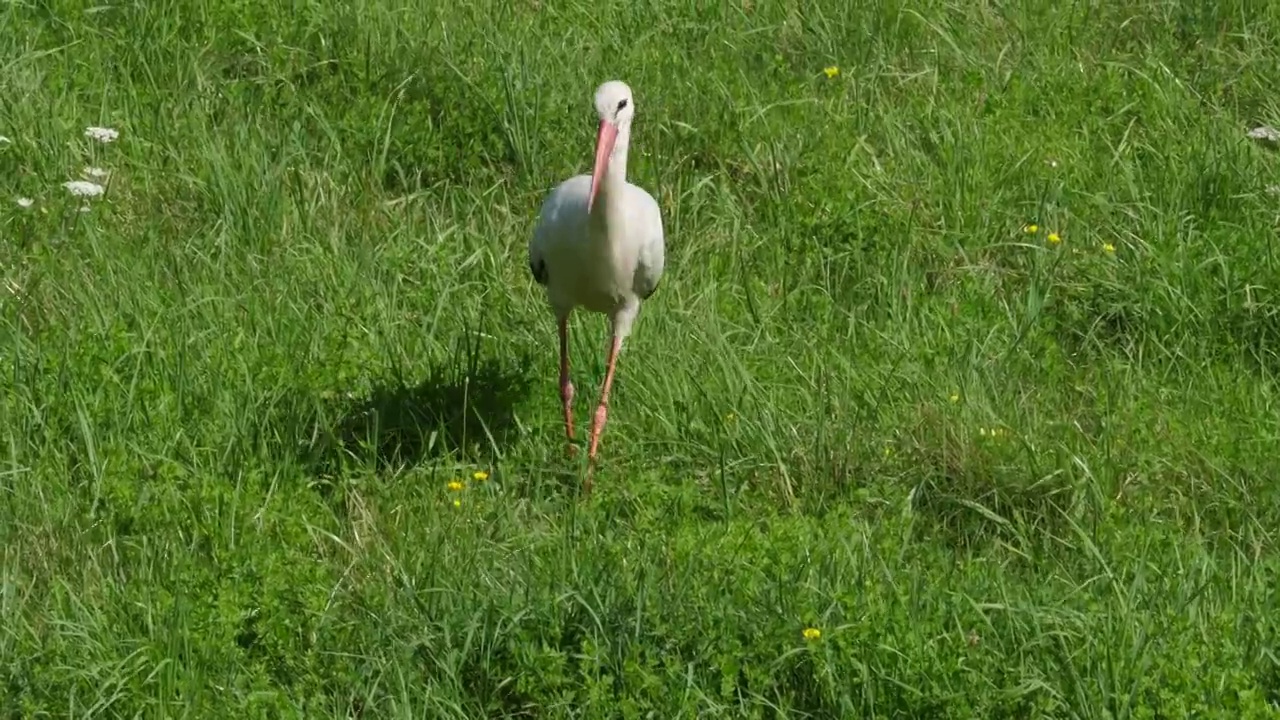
[(605, 138)]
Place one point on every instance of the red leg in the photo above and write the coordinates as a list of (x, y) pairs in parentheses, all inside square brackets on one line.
[(566, 386), (602, 411)]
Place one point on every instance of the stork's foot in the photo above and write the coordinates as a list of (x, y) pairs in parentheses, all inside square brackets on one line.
[(566, 389), (602, 413), (597, 428), (566, 400)]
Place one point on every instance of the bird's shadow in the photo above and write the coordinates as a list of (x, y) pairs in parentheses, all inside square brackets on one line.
[(464, 407)]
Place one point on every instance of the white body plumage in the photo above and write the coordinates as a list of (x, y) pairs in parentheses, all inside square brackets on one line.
[(605, 254)]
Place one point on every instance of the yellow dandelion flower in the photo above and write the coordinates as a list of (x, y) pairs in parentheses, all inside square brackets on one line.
[(455, 485), (1054, 238), (1031, 229), (812, 633), (831, 71), (457, 503), (1108, 248), (480, 475)]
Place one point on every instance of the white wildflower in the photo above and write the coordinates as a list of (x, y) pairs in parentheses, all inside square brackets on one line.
[(84, 208), (101, 134), (94, 172), (83, 188), (25, 202)]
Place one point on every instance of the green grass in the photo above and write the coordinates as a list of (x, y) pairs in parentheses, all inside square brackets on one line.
[(235, 389)]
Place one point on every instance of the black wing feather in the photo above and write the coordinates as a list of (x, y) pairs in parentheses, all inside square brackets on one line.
[(648, 293)]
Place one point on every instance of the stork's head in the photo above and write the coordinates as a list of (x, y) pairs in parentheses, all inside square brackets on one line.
[(616, 107)]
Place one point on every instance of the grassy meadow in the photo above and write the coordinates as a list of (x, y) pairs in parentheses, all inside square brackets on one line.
[(965, 358)]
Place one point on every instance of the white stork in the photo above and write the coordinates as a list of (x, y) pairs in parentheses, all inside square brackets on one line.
[(599, 244)]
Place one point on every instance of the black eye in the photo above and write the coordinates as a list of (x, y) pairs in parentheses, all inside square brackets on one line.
[(622, 103)]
